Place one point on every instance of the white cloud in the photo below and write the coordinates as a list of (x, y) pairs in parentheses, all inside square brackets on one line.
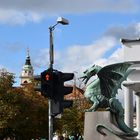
[(116, 57), (20, 12), (79, 57), (131, 31), (18, 17)]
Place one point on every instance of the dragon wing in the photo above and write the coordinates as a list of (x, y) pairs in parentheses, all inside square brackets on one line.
[(112, 76)]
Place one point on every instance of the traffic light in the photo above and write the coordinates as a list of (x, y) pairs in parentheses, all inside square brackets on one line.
[(47, 83), (60, 90), (52, 86)]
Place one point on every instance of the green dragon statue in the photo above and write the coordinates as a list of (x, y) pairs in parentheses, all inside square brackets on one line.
[(102, 94)]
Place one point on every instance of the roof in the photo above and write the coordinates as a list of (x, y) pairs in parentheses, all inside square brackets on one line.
[(129, 40), (76, 94)]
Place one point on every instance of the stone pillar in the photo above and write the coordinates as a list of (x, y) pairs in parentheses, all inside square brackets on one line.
[(92, 119), (128, 106), (138, 113)]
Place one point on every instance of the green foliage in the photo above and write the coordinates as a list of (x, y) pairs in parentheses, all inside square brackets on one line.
[(6, 80), (23, 112), (32, 117)]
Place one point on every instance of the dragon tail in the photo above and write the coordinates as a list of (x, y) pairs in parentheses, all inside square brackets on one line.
[(128, 131), (100, 128)]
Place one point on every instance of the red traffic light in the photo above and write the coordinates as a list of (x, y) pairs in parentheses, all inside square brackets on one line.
[(47, 77)]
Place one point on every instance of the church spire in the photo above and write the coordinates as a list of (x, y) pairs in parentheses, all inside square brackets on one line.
[(28, 61), (27, 70)]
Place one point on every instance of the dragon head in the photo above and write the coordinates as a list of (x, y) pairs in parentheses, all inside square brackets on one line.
[(87, 74)]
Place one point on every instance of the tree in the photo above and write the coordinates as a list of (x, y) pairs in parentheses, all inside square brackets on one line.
[(32, 117), (6, 80), (23, 112)]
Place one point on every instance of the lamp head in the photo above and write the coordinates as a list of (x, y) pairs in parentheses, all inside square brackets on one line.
[(62, 21)]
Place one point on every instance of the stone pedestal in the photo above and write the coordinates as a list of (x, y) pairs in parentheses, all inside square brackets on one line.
[(138, 114), (94, 118)]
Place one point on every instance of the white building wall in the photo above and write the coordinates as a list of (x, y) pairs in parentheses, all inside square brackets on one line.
[(132, 54), (132, 51)]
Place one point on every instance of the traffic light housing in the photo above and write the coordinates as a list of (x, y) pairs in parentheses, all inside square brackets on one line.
[(47, 83), (58, 82), (60, 90)]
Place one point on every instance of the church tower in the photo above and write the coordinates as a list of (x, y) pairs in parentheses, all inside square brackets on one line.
[(27, 71)]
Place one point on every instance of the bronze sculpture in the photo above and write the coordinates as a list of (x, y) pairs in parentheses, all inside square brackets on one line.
[(102, 94)]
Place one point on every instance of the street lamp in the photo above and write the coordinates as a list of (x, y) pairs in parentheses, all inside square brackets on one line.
[(62, 21)]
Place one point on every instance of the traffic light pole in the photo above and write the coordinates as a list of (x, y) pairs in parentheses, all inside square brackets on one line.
[(50, 120), (51, 67)]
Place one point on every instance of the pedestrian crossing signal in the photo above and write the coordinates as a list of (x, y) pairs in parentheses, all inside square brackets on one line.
[(47, 77), (47, 83)]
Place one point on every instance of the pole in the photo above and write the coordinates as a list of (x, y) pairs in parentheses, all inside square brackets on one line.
[(51, 47), (50, 100), (50, 120)]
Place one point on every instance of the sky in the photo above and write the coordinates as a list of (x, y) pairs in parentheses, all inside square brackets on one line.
[(92, 36)]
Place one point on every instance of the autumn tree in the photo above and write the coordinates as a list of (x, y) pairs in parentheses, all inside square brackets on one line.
[(6, 110), (23, 112)]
